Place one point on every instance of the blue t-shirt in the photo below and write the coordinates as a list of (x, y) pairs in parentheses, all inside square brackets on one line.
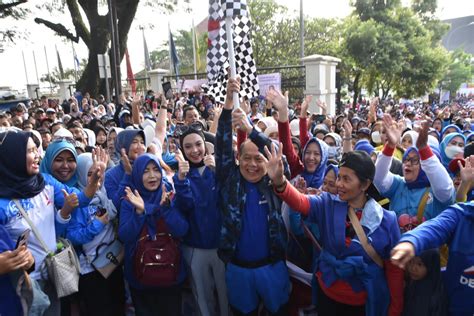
[(253, 243), (404, 202)]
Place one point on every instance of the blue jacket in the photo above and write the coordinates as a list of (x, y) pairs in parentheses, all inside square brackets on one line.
[(232, 195), (131, 225), (115, 182), (454, 226), (196, 198)]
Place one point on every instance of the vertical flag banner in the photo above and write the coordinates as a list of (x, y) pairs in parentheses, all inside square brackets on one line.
[(217, 52), (147, 55), (60, 64), (174, 56), (130, 75)]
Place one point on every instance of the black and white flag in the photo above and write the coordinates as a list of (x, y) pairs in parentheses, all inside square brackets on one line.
[(217, 52)]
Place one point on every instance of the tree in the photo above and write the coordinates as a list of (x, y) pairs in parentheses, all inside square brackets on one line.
[(68, 73), (460, 70), (95, 33), (10, 11)]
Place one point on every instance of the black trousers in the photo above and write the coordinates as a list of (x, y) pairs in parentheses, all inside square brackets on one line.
[(329, 307), (99, 296), (158, 301)]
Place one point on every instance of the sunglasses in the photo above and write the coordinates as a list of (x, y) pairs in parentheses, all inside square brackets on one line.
[(185, 129)]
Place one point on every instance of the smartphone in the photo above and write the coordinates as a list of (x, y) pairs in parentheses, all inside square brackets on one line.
[(167, 90), (23, 238), (100, 211)]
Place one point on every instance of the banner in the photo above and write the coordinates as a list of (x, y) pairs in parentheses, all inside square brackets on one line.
[(269, 81)]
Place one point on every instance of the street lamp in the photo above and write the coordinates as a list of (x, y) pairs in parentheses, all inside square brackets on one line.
[(454, 31)]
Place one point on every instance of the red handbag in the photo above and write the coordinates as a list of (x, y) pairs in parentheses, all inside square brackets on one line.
[(157, 257)]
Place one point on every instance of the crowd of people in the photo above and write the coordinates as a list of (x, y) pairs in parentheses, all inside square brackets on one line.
[(265, 209)]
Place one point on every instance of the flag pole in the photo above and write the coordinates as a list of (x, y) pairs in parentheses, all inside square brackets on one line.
[(169, 49), (230, 46), (24, 66), (194, 51), (49, 74), (36, 68)]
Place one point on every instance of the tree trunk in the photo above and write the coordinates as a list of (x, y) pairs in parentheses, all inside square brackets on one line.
[(356, 88)]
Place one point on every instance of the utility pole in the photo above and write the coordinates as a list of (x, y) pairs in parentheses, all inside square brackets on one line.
[(301, 30), (115, 49)]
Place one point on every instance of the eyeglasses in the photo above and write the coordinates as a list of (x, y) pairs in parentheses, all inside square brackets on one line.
[(413, 161)]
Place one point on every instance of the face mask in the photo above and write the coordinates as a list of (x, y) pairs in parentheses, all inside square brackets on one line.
[(332, 152), (453, 151), (376, 137)]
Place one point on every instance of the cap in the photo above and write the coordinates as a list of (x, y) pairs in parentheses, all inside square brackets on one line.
[(123, 112), (360, 162), (364, 130), (453, 164), (39, 110), (43, 130), (50, 110)]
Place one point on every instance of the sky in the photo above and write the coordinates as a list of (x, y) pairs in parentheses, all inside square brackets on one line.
[(156, 32)]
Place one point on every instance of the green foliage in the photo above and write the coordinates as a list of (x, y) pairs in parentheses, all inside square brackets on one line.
[(460, 70), (69, 74), (9, 12)]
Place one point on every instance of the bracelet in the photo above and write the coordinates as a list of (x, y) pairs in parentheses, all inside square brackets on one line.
[(347, 138), (163, 107)]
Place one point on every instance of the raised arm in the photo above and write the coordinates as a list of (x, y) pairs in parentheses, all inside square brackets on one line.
[(304, 137), (160, 129), (440, 181), (467, 179)]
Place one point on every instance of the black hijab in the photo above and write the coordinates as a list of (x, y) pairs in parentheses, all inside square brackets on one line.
[(427, 297), (15, 183)]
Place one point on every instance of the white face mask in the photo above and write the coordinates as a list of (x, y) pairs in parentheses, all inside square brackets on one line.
[(453, 151), (332, 152), (376, 137)]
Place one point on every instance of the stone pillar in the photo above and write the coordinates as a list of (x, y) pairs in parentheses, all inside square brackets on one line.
[(31, 88), (156, 79), (321, 81), (64, 93)]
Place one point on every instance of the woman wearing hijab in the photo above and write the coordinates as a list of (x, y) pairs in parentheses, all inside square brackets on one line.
[(425, 180), (60, 161), (425, 294), (334, 142), (196, 197), (408, 139), (451, 147), (130, 144), (48, 202), (351, 279), (111, 137), (146, 203), (91, 228), (451, 128)]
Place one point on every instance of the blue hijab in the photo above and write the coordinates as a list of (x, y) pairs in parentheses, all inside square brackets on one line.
[(442, 147), (333, 168), (458, 130), (167, 156), (125, 139), (139, 166), (53, 150), (15, 183), (422, 180), (316, 178)]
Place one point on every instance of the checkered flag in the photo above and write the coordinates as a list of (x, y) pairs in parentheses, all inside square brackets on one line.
[(217, 53)]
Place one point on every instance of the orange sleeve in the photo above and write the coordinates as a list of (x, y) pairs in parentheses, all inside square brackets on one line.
[(295, 200)]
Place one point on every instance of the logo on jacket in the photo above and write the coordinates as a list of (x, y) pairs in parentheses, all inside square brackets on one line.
[(469, 279)]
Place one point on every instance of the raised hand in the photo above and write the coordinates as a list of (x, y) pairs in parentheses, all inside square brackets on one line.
[(209, 161), (165, 196), (240, 120), (422, 140), (183, 165), (274, 165), (392, 130), (233, 85), (402, 253), (217, 111), (278, 100), (305, 105), (245, 106), (135, 199), (347, 128), (467, 171), (127, 166), (71, 201)]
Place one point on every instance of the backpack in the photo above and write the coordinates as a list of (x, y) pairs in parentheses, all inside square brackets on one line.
[(157, 256)]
